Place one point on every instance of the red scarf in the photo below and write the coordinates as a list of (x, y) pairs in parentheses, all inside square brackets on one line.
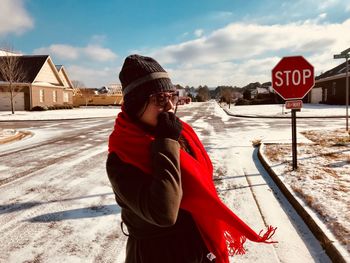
[(223, 232)]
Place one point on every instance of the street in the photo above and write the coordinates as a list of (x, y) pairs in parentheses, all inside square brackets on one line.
[(57, 205)]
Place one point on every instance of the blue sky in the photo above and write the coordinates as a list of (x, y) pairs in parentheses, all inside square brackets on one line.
[(199, 42)]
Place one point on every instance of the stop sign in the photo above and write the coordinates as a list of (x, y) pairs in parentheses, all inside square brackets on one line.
[(293, 77)]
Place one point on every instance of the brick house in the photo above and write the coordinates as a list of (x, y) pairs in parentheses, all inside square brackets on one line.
[(333, 85), (43, 84)]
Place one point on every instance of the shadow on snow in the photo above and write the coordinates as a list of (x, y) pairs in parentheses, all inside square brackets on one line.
[(86, 212)]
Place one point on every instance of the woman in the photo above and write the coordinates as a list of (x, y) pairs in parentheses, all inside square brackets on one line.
[(162, 178)]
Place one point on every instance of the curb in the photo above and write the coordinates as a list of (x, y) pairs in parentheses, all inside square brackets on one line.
[(19, 136), (328, 245), (280, 117)]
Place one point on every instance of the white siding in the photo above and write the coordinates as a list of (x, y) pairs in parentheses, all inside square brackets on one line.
[(47, 75), (63, 78)]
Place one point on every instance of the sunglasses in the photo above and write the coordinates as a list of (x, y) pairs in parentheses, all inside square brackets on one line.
[(161, 99)]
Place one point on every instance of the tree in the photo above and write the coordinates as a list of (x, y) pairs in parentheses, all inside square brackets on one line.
[(77, 85), (247, 94), (12, 73), (203, 93), (79, 89)]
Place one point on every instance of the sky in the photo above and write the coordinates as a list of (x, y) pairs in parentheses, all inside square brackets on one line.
[(222, 42)]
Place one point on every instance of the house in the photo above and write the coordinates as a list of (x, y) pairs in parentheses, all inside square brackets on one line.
[(7, 53), (107, 95), (330, 86), (64, 77), (43, 84)]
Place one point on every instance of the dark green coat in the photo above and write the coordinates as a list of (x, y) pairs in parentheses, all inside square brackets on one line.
[(159, 231)]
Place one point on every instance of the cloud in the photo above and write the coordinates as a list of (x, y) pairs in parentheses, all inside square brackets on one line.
[(98, 53), (59, 50), (326, 4), (92, 77), (14, 18), (198, 32), (68, 52), (241, 52)]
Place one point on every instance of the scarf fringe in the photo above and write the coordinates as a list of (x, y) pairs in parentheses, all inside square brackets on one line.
[(235, 246), (268, 234)]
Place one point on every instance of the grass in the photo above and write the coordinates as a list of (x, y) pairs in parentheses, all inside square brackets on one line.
[(322, 178), (256, 142)]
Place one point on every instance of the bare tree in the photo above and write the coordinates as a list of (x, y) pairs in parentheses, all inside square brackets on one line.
[(77, 85), (80, 90), (12, 73)]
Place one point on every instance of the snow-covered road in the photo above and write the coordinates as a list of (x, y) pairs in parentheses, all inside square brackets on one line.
[(246, 188), (59, 207)]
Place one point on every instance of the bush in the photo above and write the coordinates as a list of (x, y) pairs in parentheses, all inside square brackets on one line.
[(39, 108), (62, 107), (53, 107), (263, 101), (242, 102)]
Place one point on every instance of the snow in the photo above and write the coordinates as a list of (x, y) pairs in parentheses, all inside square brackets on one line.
[(82, 112), (278, 110), (241, 183)]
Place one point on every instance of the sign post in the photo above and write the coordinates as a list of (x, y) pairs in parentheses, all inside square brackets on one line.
[(345, 54), (292, 78), (294, 140)]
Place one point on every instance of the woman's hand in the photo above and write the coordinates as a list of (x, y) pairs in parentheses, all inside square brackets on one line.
[(168, 126)]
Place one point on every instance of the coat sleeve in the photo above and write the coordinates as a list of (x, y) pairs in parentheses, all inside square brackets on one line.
[(155, 198)]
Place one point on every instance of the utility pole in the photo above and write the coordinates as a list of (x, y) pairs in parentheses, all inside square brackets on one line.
[(345, 54)]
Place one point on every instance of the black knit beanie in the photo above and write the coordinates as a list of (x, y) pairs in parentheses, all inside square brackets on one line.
[(140, 77)]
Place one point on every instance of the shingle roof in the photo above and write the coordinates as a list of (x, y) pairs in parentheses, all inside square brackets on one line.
[(31, 65), (334, 71)]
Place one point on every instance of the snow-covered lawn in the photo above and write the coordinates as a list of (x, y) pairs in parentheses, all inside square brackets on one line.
[(88, 112), (322, 177), (278, 110)]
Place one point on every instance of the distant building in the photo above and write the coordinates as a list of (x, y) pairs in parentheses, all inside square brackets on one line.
[(115, 89), (330, 86), (43, 84), (110, 94)]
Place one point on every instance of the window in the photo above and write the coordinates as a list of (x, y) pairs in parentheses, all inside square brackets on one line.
[(54, 96), (334, 84), (65, 97), (41, 95)]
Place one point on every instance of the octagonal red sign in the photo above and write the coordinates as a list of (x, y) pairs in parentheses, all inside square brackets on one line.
[(293, 77)]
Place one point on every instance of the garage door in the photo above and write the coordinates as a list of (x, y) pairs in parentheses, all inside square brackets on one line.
[(316, 95), (5, 101)]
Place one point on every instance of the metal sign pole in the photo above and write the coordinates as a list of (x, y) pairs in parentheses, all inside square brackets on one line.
[(347, 94), (294, 139)]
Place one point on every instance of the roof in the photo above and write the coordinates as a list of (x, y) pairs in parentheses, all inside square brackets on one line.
[(31, 64), (338, 70), (63, 74), (58, 67)]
